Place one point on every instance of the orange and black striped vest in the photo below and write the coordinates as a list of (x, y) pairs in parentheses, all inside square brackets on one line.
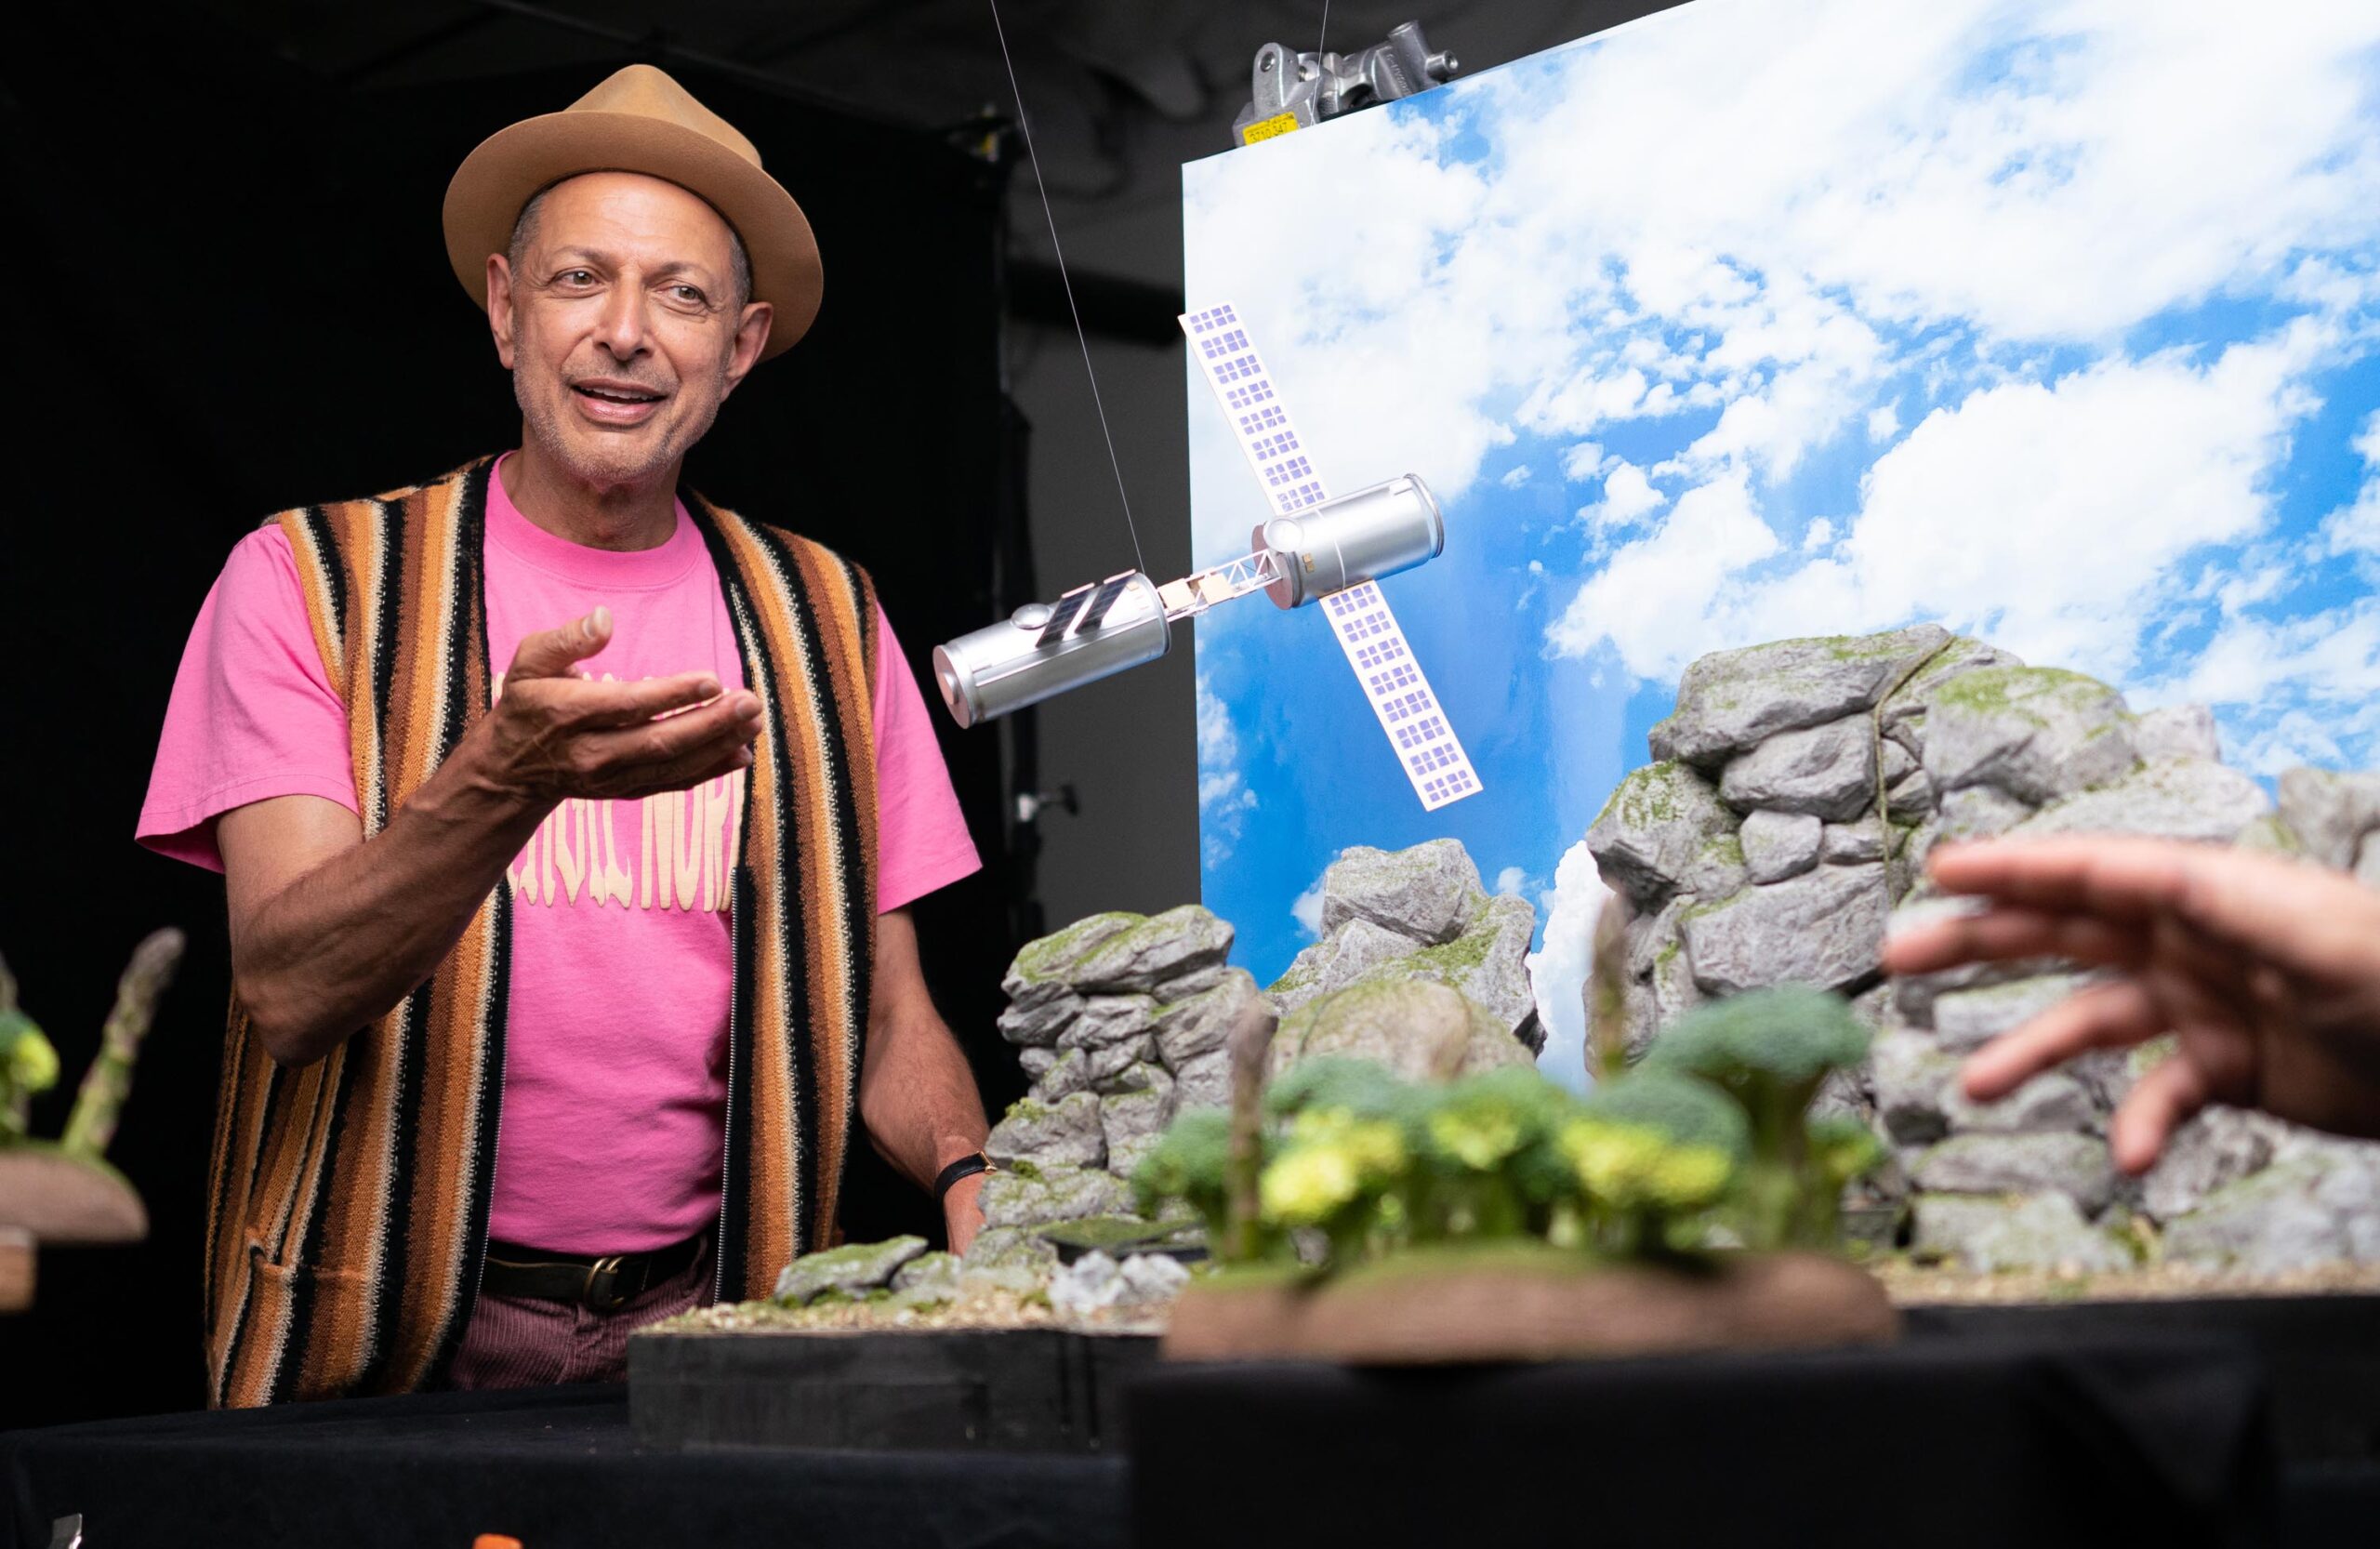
[(348, 1199)]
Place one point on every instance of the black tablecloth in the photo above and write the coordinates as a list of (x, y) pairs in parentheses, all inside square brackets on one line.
[(1934, 1442), (1940, 1440), (556, 1468)]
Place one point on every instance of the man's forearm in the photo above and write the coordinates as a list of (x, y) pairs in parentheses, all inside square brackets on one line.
[(344, 943), (917, 1096)]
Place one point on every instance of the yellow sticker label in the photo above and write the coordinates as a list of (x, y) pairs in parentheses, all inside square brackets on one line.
[(1268, 128)]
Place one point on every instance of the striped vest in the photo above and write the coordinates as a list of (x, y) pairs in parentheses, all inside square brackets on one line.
[(348, 1204)]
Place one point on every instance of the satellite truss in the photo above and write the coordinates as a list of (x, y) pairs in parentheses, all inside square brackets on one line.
[(1313, 549)]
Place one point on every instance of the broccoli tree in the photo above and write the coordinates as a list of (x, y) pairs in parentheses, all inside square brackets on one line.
[(28, 1063), (1771, 1050), (1191, 1163), (1649, 1150)]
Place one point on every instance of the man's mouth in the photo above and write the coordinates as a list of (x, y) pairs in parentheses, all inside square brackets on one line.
[(616, 394), (617, 403)]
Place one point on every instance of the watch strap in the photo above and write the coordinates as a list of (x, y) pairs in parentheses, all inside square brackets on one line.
[(965, 1167)]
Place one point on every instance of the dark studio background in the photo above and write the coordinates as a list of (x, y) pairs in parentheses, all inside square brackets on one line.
[(229, 295)]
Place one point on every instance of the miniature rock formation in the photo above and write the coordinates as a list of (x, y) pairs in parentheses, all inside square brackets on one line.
[(1121, 1020), (1782, 833), (1418, 916)]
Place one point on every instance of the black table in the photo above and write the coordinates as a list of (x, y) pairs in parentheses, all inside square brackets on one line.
[(556, 1468), (1949, 1438)]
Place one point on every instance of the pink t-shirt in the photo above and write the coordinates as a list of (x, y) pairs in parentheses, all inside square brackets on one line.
[(615, 1043)]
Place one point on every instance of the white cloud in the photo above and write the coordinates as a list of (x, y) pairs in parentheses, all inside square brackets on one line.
[(1582, 461), (1224, 797), (1558, 971), (1628, 497), (2355, 528), (1883, 423), (1306, 907), (2055, 518), (1514, 477), (1512, 880), (1650, 599), (2097, 179)]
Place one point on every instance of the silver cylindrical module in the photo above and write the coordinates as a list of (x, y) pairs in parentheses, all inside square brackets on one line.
[(1046, 648), (1357, 537)]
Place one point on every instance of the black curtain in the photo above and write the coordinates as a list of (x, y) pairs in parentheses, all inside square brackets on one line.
[(230, 296)]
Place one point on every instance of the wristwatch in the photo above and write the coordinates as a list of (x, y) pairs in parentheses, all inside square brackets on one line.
[(965, 1167)]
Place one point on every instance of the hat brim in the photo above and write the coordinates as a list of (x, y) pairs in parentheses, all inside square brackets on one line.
[(497, 179)]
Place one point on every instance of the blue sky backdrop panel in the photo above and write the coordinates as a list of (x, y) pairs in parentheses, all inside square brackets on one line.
[(2056, 324)]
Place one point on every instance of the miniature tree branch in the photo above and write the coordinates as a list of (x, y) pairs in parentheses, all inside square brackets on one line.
[(1251, 1046), (1607, 991), (109, 1081)]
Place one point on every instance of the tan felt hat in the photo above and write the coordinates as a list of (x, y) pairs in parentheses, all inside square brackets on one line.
[(639, 120)]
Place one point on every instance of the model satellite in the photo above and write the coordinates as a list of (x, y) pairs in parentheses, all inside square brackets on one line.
[(1313, 549)]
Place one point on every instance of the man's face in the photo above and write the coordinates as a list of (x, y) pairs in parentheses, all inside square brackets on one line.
[(621, 326)]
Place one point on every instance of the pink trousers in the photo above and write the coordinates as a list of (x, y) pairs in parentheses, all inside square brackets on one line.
[(528, 1342)]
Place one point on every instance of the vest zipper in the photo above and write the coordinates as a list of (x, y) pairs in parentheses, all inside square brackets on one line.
[(727, 1121)]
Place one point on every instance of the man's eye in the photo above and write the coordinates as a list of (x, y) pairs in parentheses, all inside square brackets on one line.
[(576, 277), (689, 295)]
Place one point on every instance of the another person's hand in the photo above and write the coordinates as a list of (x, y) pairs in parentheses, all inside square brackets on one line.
[(2268, 971), (554, 734)]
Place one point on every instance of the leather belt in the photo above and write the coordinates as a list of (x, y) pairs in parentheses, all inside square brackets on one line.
[(604, 1282)]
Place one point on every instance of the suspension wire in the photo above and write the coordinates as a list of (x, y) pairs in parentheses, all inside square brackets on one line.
[(1324, 37), (1066, 284)]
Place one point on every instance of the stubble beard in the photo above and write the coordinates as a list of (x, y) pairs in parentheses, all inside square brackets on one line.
[(607, 461)]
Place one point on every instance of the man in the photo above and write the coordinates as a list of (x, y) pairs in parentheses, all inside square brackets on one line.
[(556, 989), (2264, 969)]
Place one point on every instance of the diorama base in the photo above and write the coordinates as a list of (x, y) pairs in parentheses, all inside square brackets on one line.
[(1438, 1309), (1018, 1390), (1057, 1390)]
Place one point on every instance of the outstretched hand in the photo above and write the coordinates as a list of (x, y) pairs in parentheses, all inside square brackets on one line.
[(2267, 969), (554, 734)]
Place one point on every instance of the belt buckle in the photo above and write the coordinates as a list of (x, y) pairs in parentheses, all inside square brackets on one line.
[(607, 1269)]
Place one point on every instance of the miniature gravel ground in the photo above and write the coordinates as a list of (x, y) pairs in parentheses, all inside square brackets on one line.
[(1912, 1286), (981, 1309)]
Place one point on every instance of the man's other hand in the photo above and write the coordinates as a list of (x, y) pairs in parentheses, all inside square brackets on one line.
[(554, 734), (2265, 969)]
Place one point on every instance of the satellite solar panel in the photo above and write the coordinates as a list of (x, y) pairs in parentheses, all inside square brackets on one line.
[(1103, 600), (1062, 617), (1391, 681)]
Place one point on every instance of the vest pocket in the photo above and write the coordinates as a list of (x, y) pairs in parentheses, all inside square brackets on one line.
[(302, 1334)]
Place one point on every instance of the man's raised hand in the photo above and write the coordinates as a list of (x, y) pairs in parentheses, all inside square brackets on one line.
[(554, 734), (2266, 971)]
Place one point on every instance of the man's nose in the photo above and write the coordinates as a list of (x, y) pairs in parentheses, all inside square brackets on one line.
[(624, 329)]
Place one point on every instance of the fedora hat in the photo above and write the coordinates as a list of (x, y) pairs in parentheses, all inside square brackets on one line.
[(639, 120)]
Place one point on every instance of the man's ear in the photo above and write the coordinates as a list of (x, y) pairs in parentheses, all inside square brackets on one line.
[(751, 338), (499, 306)]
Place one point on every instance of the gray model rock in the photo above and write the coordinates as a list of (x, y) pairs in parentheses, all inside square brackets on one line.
[(1425, 894), (1733, 699), (1967, 742), (1654, 832), (1121, 1022), (1421, 1031), (854, 1269), (1824, 928), (1984, 1235), (1066, 1132), (2034, 733), (1827, 771), (1779, 845)]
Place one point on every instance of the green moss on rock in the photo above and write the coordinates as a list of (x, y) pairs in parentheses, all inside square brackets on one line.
[(1049, 957)]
